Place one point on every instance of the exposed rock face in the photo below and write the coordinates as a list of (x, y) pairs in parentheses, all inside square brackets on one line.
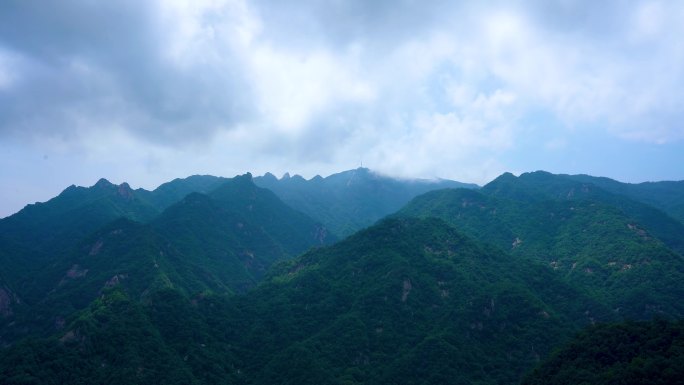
[(516, 242), (406, 289), (320, 234), (115, 280), (125, 191), (75, 271), (6, 300), (96, 247)]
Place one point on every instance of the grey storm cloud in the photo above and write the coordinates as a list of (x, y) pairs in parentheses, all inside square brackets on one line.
[(82, 65), (173, 72)]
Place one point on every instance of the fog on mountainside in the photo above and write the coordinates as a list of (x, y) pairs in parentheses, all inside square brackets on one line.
[(351, 200)]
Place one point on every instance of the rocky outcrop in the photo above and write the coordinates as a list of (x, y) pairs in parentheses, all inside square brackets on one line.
[(7, 298)]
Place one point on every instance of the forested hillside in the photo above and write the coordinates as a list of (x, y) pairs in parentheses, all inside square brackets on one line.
[(222, 242), (667, 196), (576, 231), (626, 353), (210, 280), (405, 301)]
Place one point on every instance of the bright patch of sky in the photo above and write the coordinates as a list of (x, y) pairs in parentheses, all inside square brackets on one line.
[(145, 92)]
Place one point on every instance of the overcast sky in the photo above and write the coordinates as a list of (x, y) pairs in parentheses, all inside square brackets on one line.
[(147, 91)]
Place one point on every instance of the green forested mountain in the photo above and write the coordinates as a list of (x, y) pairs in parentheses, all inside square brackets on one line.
[(43, 229), (406, 301), (543, 186), (238, 231), (667, 195), (123, 253), (586, 240), (351, 200), (209, 280), (171, 192), (222, 242), (113, 341), (42, 234), (627, 353)]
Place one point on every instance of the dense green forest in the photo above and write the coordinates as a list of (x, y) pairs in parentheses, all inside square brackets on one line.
[(591, 238), (220, 242), (666, 196), (210, 280), (362, 311), (625, 353)]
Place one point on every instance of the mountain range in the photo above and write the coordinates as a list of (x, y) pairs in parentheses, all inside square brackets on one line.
[(351, 200), (353, 278)]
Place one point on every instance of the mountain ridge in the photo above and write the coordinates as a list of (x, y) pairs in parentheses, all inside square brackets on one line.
[(590, 237), (350, 200), (229, 284), (222, 242)]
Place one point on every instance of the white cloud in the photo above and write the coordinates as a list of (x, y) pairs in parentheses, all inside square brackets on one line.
[(207, 32), (413, 89), (6, 64), (293, 87), (222, 63), (648, 21)]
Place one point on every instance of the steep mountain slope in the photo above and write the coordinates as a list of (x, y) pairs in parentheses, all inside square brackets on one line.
[(543, 186), (112, 342), (590, 243), (74, 213), (667, 195), (479, 296), (350, 200), (293, 229), (123, 254), (405, 301), (55, 224), (238, 231), (219, 243), (37, 244), (629, 353), (41, 233)]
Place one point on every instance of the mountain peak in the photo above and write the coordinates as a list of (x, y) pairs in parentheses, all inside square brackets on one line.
[(270, 177), (70, 189), (103, 183), (125, 191), (539, 174), (244, 179), (501, 180), (506, 176), (237, 186)]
